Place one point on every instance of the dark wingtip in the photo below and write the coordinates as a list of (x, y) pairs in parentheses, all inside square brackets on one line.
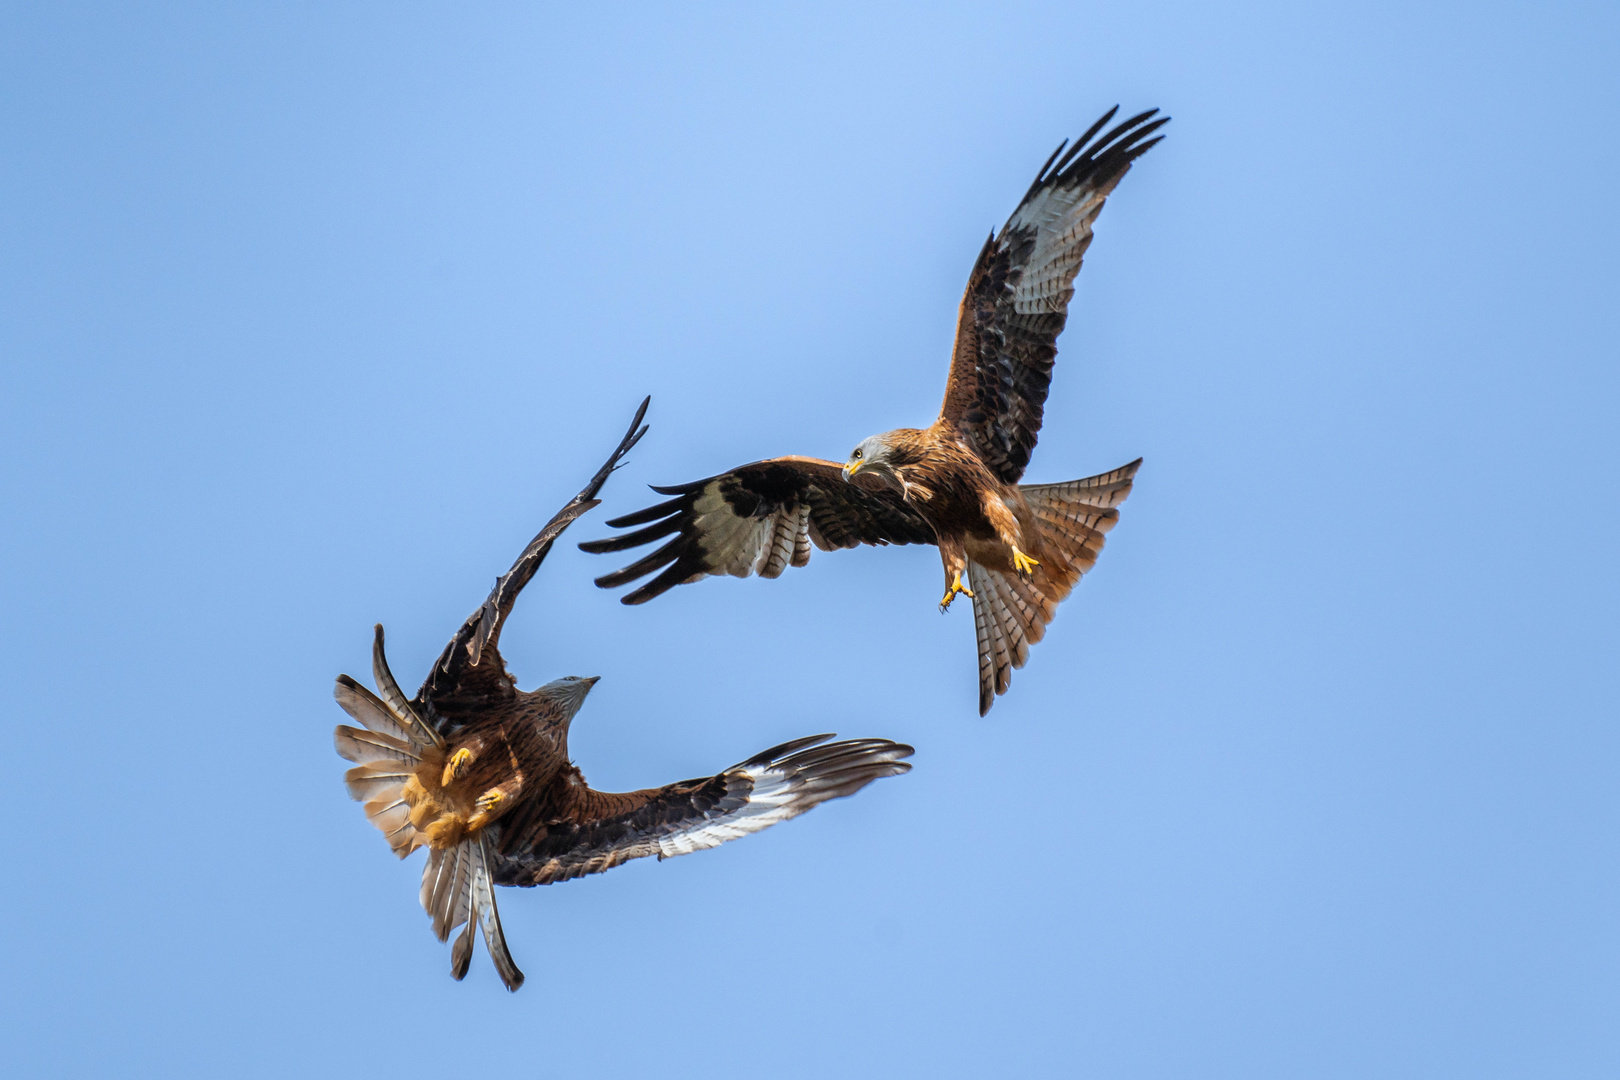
[(782, 750), (641, 414)]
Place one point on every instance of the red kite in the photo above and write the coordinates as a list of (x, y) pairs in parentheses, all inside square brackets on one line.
[(477, 771), (954, 484)]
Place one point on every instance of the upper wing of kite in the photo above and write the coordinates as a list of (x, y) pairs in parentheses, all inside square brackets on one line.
[(758, 519), (1017, 297), (470, 677), (606, 829)]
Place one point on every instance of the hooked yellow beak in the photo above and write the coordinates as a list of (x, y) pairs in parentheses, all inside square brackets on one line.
[(853, 467)]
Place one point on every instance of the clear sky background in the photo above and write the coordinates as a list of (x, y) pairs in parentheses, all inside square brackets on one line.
[(310, 316)]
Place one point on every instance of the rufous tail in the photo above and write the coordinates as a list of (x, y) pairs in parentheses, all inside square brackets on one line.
[(1010, 613)]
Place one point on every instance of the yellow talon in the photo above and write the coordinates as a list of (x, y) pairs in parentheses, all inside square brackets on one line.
[(1023, 563), (950, 593), (456, 766), (489, 800)]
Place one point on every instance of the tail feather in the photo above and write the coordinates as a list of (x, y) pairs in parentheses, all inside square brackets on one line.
[(457, 886), (460, 900), (1010, 613), (458, 891), (442, 899), (995, 635), (489, 917), (437, 858), (461, 954), (1074, 518)]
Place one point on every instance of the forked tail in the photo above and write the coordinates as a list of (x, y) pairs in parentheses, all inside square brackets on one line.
[(457, 889), (1010, 613)]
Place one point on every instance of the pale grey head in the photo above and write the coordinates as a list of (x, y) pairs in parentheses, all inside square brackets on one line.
[(568, 693), (873, 455)]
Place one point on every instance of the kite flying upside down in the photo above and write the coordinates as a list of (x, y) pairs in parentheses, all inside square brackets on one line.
[(477, 771), (955, 484)]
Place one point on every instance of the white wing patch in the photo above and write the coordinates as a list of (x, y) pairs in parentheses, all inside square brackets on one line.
[(771, 800), (785, 789), (1062, 219), (743, 546)]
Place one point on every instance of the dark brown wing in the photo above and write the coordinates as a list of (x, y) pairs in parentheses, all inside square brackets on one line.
[(470, 676), (758, 519), (606, 830), (1017, 298)]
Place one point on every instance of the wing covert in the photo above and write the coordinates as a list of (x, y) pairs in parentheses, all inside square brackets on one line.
[(1017, 298), (757, 519)]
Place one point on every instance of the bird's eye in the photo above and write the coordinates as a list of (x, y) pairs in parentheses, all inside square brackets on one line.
[(857, 453)]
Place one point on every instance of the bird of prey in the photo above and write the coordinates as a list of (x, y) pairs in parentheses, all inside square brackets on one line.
[(954, 484), (477, 771)]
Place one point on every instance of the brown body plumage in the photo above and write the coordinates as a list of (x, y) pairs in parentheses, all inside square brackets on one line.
[(478, 772), (1021, 547), (974, 514)]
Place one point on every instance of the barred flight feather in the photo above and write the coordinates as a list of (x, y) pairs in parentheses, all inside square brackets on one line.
[(757, 519), (364, 706), (364, 747), (417, 731), (771, 787)]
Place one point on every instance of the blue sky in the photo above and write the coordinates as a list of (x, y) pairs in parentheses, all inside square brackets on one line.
[(310, 317)]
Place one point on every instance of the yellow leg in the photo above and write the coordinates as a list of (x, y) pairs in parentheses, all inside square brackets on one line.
[(456, 766), (1023, 563), (950, 593), (489, 802)]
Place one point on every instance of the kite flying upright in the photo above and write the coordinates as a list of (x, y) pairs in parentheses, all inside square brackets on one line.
[(477, 771), (955, 484)]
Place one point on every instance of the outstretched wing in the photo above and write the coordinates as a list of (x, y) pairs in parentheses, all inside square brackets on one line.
[(606, 830), (1017, 298), (470, 676), (758, 519)]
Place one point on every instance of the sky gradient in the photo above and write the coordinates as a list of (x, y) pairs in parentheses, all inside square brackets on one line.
[(311, 317)]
